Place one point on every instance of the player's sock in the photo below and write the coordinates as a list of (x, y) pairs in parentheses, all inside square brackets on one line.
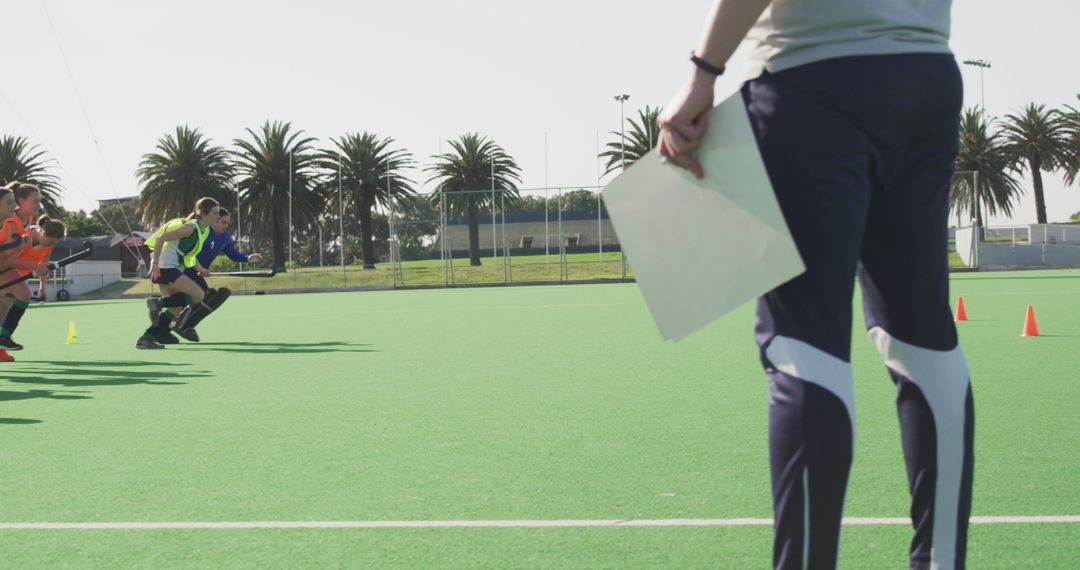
[(175, 300), (14, 315), (162, 325)]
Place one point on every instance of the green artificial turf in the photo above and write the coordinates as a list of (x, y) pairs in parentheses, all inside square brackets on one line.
[(500, 403)]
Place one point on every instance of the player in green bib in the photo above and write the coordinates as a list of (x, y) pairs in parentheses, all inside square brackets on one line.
[(175, 247)]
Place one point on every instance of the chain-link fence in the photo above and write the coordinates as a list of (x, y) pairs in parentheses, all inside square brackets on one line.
[(486, 237), (481, 237)]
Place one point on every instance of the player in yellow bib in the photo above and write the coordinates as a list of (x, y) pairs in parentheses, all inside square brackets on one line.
[(175, 247)]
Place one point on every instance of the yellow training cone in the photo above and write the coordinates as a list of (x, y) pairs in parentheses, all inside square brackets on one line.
[(72, 337)]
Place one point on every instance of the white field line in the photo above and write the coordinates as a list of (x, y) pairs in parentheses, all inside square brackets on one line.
[(566, 523)]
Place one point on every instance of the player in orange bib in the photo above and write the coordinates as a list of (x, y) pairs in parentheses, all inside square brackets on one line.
[(7, 258), (45, 234), (16, 299)]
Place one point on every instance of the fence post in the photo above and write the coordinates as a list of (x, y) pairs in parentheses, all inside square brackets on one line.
[(502, 225), (563, 272)]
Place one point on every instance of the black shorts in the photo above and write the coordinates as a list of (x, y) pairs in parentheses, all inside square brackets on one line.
[(168, 276), (194, 275)]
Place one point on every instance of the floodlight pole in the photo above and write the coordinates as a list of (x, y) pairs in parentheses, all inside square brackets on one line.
[(291, 266), (622, 127), (975, 232), (547, 232), (983, 65), (390, 223), (341, 220), (622, 149), (238, 218), (599, 217)]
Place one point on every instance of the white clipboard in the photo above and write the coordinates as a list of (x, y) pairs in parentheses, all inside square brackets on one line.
[(701, 248)]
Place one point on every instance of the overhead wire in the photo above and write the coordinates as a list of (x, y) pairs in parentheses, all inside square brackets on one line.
[(93, 134), (70, 177)]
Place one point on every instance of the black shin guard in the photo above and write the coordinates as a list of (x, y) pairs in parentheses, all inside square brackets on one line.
[(175, 300), (214, 299), (185, 317)]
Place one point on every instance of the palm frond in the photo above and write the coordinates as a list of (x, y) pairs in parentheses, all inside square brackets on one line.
[(25, 162)]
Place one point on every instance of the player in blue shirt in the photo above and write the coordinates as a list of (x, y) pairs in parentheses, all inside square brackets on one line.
[(220, 241), (217, 242)]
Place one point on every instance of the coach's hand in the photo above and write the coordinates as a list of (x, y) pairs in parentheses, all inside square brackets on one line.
[(683, 122)]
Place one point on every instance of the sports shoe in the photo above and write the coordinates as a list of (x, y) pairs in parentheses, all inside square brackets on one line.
[(188, 334), (6, 342), (155, 309), (5, 357), (147, 343), (166, 337)]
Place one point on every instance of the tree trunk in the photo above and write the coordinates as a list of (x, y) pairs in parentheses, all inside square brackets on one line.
[(277, 238), (367, 240), (474, 232), (1035, 164)]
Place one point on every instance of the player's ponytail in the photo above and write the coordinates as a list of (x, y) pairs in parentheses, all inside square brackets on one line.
[(22, 191), (203, 207), (52, 228)]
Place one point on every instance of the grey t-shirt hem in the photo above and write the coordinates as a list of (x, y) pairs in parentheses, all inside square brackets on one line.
[(759, 61)]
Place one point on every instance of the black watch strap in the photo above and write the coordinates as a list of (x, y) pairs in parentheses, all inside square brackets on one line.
[(706, 66)]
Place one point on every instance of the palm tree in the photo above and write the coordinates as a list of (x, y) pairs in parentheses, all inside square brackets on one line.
[(985, 153), (641, 138), (1072, 126), (186, 167), (465, 178), (263, 167), (21, 161), (1036, 138), (370, 175)]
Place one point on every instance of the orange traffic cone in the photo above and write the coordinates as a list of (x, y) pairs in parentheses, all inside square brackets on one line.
[(1031, 328), (961, 311)]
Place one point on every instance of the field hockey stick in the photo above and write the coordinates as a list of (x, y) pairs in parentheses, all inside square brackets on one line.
[(264, 274), (53, 265), (16, 241)]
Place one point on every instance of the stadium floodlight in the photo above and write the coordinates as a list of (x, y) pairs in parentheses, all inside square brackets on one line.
[(983, 65), (622, 127)]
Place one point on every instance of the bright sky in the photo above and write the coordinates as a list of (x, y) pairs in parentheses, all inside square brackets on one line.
[(420, 71)]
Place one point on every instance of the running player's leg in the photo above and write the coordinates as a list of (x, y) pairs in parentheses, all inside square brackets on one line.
[(904, 277), (159, 311), (167, 300), (186, 327), (818, 164), (215, 298), (19, 295), (6, 301), (185, 284), (162, 311), (171, 282)]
